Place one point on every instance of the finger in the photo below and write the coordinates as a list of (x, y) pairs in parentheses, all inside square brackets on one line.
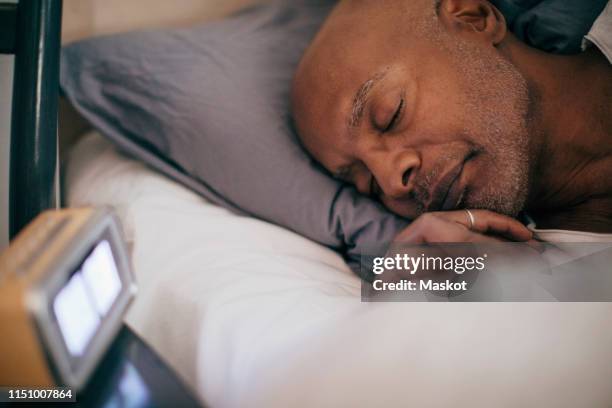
[(430, 228), (537, 245), (491, 223)]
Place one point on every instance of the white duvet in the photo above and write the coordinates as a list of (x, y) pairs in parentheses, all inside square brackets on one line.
[(250, 314)]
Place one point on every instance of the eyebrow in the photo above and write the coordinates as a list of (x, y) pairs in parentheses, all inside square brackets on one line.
[(361, 98)]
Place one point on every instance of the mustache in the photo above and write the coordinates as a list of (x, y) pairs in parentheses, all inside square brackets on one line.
[(422, 192)]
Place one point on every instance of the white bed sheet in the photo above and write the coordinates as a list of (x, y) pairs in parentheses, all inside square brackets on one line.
[(250, 314)]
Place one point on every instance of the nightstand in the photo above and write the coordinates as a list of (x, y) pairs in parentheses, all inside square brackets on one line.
[(132, 375)]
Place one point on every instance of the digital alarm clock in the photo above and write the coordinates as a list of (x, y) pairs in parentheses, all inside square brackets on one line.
[(65, 285)]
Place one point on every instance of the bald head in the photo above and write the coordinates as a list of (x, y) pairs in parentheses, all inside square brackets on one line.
[(354, 29), (412, 102)]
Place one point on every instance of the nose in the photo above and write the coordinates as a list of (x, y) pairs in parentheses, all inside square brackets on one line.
[(394, 171)]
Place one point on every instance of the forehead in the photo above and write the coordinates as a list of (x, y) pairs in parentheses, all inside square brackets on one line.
[(359, 41), (342, 58)]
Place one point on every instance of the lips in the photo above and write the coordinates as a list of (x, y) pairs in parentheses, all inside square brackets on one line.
[(455, 194), (447, 192)]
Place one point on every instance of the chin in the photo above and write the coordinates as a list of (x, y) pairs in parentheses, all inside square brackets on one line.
[(500, 202)]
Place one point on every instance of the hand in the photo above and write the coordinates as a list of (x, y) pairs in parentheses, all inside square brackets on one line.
[(456, 226)]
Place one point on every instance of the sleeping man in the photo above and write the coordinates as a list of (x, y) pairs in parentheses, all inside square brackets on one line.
[(439, 112)]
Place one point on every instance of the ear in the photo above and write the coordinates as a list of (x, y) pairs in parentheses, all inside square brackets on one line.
[(471, 17)]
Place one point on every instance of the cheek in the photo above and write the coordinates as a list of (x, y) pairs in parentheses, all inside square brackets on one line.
[(405, 209), (443, 108), (443, 112), (328, 153)]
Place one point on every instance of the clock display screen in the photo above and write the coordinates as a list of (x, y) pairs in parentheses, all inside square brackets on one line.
[(83, 302)]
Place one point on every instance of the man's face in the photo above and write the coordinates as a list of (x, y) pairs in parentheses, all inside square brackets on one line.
[(419, 118)]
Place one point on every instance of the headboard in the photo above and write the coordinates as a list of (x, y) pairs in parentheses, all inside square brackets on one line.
[(33, 31)]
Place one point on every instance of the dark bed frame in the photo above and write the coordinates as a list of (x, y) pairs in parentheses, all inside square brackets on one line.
[(31, 30)]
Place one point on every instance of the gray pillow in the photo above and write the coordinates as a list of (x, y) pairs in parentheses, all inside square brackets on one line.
[(209, 107)]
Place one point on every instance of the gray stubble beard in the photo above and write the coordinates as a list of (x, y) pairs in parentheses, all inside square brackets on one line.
[(498, 100)]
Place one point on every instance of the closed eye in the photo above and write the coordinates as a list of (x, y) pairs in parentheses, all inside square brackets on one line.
[(395, 117)]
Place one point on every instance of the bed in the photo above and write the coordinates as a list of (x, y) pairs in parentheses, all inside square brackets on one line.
[(250, 314)]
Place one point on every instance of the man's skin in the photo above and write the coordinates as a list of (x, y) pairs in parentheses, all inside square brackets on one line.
[(433, 108)]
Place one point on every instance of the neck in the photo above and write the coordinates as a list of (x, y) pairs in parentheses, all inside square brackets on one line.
[(571, 136)]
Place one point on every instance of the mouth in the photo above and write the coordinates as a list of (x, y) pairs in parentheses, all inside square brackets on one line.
[(448, 193)]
